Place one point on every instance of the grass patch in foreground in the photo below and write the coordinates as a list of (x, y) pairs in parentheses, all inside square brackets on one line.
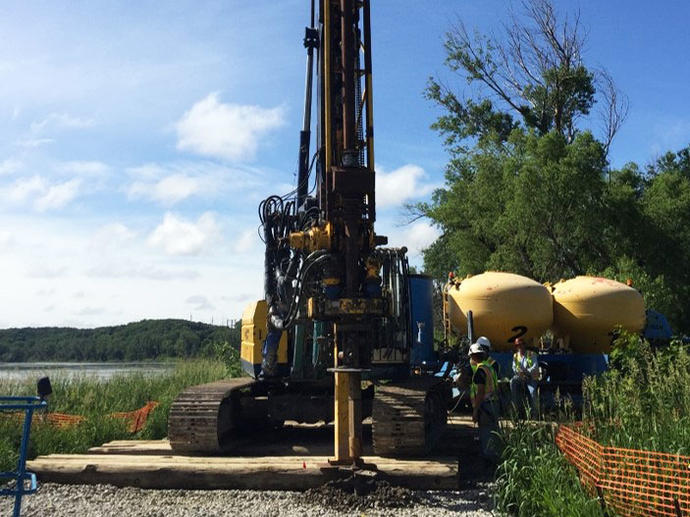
[(95, 400), (535, 479)]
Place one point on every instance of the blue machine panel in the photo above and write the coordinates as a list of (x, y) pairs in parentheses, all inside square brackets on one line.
[(562, 368), (422, 320)]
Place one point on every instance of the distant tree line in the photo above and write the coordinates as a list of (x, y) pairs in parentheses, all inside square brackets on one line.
[(147, 339)]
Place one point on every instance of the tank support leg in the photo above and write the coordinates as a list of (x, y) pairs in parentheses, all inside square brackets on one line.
[(348, 417)]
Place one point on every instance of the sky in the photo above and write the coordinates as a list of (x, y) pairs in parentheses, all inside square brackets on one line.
[(137, 139)]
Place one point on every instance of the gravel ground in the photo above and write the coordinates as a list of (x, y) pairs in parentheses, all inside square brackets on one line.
[(105, 500)]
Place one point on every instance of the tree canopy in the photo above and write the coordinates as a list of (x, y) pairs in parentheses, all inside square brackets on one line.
[(529, 188), (147, 339)]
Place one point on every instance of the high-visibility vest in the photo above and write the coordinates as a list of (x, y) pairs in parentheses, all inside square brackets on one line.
[(530, 357), (491, 381), (494, 366)]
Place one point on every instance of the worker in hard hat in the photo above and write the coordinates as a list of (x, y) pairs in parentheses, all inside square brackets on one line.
[(523, 385), (485, 343), (484, 403)]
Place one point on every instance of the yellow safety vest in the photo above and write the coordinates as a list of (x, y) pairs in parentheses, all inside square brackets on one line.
[(491, 381), (529, 356), (494, 367)]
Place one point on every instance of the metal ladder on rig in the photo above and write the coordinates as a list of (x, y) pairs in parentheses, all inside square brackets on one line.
[(20, 476)]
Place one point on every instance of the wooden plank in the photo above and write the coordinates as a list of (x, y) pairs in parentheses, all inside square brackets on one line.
[(133, 447), (123, 459), (280, 446), (265, 473)]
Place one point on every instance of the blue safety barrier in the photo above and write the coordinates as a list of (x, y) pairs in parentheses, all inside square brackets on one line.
[(21, 476)]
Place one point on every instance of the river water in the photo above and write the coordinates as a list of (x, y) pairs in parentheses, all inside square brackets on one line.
[(101, 371)]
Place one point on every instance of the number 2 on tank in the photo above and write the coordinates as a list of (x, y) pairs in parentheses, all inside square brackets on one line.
[(520, 330)]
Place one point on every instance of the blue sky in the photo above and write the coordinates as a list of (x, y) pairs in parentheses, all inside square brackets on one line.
[(137, 138)]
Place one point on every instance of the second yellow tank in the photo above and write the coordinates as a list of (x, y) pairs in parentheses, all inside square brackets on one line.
[(587, 309)]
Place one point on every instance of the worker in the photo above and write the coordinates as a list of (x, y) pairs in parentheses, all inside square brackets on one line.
[(523, 385), (484, 403), (485, 343)]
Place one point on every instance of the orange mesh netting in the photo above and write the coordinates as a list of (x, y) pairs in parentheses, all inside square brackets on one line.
[(61, 420), (136, 420), (632, 482)]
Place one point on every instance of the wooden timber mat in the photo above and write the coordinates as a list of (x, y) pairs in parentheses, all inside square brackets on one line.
[(296, 439), (291, 458), (258, 473)]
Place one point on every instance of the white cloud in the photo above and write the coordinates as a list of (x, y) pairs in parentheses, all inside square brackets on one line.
[(9, 166), (178, 236), (57, 196), (168, 191), (91, 311), (200, 302), (147, 171), (402, 184), (415, 237), (23, 188), (228, 131), (130, 270), (84, 168), (112, 235), (32, 143), (6, 239), (247, 241), (61, 121), (419, 236), (172, 183), (46, 270)]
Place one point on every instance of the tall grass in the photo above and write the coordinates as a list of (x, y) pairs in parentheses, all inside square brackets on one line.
[(641, 402), (534, 479), (95, 400)]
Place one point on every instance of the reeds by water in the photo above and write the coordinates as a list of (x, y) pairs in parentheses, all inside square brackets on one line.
[(95, 400)]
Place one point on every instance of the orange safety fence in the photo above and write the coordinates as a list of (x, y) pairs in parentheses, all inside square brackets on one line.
[(61, 420), (136, 420), (629, 481)]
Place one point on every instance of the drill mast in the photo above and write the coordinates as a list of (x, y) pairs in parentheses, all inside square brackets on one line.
[(346, 197)]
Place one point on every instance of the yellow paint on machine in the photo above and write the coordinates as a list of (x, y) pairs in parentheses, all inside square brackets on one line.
[(254, 330), (586, 310), (504, 306)]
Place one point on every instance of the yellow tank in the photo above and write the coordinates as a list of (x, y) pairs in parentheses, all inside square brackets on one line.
[(586, 310), (504, 306)]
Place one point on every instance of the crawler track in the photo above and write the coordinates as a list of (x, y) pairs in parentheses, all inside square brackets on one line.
[(408, 418), (201, 417)]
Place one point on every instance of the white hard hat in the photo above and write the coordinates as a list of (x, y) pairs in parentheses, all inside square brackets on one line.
[(483, 342), (476, 348)]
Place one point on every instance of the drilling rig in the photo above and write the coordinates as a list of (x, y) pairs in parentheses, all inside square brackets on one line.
[(333, 338)]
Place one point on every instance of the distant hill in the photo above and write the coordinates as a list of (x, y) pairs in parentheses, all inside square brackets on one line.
[(147, 339)]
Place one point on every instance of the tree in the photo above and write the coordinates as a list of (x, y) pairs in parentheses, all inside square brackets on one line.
[(535, 74), (532, 205), (528, 186)]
